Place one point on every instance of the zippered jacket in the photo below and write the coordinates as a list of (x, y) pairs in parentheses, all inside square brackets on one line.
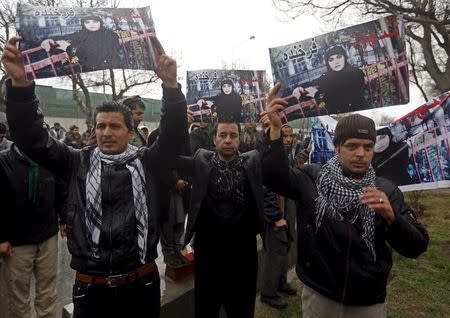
[(25, 221), (118, 243), (333, 259)]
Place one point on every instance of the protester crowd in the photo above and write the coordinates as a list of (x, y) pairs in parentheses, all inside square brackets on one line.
[(117, 190)]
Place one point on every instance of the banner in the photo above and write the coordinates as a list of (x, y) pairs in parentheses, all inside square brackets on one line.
[(226, 95), (356, 68), (322, 134), (65, 41), (414, 151)]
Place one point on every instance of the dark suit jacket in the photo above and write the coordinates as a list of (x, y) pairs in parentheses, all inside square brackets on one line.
[(199, 167)]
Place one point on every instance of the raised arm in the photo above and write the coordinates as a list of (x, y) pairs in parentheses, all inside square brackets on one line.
[(277, 174), (173, 130), (25, 119)]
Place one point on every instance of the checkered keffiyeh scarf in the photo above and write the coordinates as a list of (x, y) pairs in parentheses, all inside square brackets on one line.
[(339, 199), (94, 196)]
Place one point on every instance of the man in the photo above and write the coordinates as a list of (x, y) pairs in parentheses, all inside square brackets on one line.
[(226, 213), (4, 142), (279, 237), (202, 137), (32, 200), (57, 131), (172, 226), (290, 144), (346, 217), (112, 217), (251, 138), (137, 108), (74, 138)]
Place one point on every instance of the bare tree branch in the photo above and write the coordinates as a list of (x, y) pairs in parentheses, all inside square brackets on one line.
[(414, 71)]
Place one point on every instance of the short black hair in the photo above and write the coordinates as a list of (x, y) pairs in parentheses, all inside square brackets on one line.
[(133, 101), (115, 107), (219, 123)]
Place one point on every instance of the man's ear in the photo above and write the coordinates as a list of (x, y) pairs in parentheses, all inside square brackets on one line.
[(214, 140)]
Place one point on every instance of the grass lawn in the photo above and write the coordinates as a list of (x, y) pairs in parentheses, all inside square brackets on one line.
[(417, 288)]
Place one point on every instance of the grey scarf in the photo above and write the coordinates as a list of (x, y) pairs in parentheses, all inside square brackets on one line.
[(94, 196), (339, 199)]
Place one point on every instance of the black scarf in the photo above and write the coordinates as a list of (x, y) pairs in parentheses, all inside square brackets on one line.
[(230, 181)]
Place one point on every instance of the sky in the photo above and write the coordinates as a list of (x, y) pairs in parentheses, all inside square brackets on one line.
[(211, 34)]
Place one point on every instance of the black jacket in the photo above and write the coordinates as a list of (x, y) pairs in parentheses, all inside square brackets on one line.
[(22, 221), (118, 249), (199, 167), (334, 259)]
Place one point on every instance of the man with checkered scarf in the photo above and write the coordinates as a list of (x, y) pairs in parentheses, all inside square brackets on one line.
[(113, 211), (347, 220)]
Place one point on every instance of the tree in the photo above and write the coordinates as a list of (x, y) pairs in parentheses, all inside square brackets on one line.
[(384, 120), (427, 27)]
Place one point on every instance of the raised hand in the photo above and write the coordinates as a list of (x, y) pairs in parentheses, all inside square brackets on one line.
[(273, 108), (12, 60), (190, 116), (166, 67), (6, 249), (47, 44), (167, 71)]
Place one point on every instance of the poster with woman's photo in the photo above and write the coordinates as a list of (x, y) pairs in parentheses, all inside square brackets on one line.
[(226, 95), (360, 67), (413, 151), (65, 41)]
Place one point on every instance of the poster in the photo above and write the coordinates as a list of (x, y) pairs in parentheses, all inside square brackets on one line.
[(65, 41), (360, 67), (226, 95), (413, 151), (322, 134)]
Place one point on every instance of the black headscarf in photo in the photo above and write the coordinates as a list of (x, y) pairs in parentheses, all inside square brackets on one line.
[(228, 107)]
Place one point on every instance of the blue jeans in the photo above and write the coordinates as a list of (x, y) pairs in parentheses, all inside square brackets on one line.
[(140, 298)]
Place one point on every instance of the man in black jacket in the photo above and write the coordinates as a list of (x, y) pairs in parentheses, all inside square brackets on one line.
[(226, 213), (112, 204), (32, 200), (346, 220)]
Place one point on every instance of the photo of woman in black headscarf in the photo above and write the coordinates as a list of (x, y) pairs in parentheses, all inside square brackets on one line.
[(342, 86), (228, 104), (341, 89), (94, 47), (391, 158)]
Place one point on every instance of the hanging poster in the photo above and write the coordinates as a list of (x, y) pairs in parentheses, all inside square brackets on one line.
[(413, 151)]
